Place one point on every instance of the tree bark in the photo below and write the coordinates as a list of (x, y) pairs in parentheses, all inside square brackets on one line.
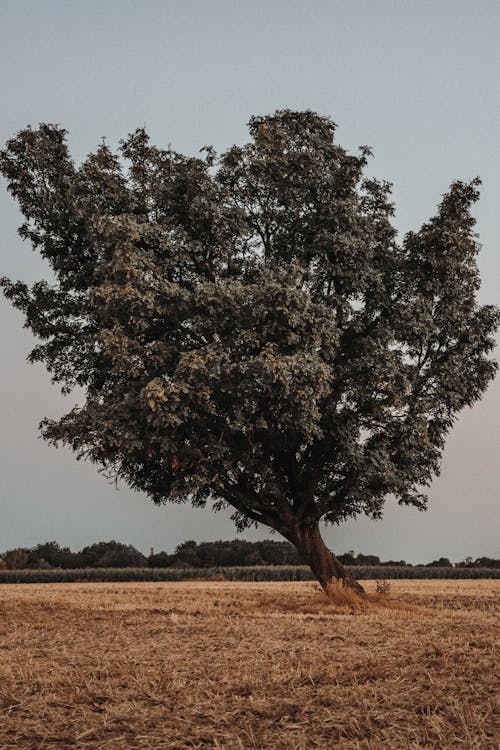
[(325, 566)]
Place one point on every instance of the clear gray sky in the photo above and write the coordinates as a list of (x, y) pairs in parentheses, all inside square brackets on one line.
[(417, 80)]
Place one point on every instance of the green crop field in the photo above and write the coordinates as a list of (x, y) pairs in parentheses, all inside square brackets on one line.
[(244, 573)]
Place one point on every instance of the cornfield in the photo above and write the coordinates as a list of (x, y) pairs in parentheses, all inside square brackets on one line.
[(247, 573)]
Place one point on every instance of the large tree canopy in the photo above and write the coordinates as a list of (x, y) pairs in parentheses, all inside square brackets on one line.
[(247, 328)]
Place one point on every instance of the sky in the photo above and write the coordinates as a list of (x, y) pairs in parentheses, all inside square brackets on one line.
[(418, 81)]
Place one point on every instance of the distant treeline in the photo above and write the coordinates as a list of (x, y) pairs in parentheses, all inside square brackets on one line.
[(190, 554)]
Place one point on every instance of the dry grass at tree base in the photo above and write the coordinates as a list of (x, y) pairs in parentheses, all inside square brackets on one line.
[(238, 666)]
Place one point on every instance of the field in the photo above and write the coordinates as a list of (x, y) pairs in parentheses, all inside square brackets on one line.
[(243, 573), (238, 666)]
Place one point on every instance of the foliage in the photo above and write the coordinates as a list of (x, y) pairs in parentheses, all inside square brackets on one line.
[(160, 560), (443, 562), (237, 552), (111, 555), (247, 329), (15, 559), (53, 555), (201, 556)]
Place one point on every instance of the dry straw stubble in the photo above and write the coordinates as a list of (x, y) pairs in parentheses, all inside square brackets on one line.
[(228, 666)]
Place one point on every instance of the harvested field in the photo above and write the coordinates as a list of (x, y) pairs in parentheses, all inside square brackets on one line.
[(238, 666)]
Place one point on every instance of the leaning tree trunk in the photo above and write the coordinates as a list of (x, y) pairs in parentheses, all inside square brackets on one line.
[(325, 566)]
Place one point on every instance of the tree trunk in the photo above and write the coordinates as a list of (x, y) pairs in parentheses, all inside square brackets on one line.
[(314, 552)]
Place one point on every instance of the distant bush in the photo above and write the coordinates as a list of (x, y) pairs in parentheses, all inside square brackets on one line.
[(111, 555), (443, 562), (486, 562), (237, 552), (51, 554), (397, 563), (15, 559), (160, 560)]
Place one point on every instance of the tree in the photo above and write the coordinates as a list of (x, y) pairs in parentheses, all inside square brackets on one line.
[(53, 555), (486, 562), (160, 560), (443, 562), (111, 555), (15, 559), (247, 329), (367, 559), (187, 554)]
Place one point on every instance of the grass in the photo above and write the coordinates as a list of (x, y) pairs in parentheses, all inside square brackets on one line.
[(241, 666)]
